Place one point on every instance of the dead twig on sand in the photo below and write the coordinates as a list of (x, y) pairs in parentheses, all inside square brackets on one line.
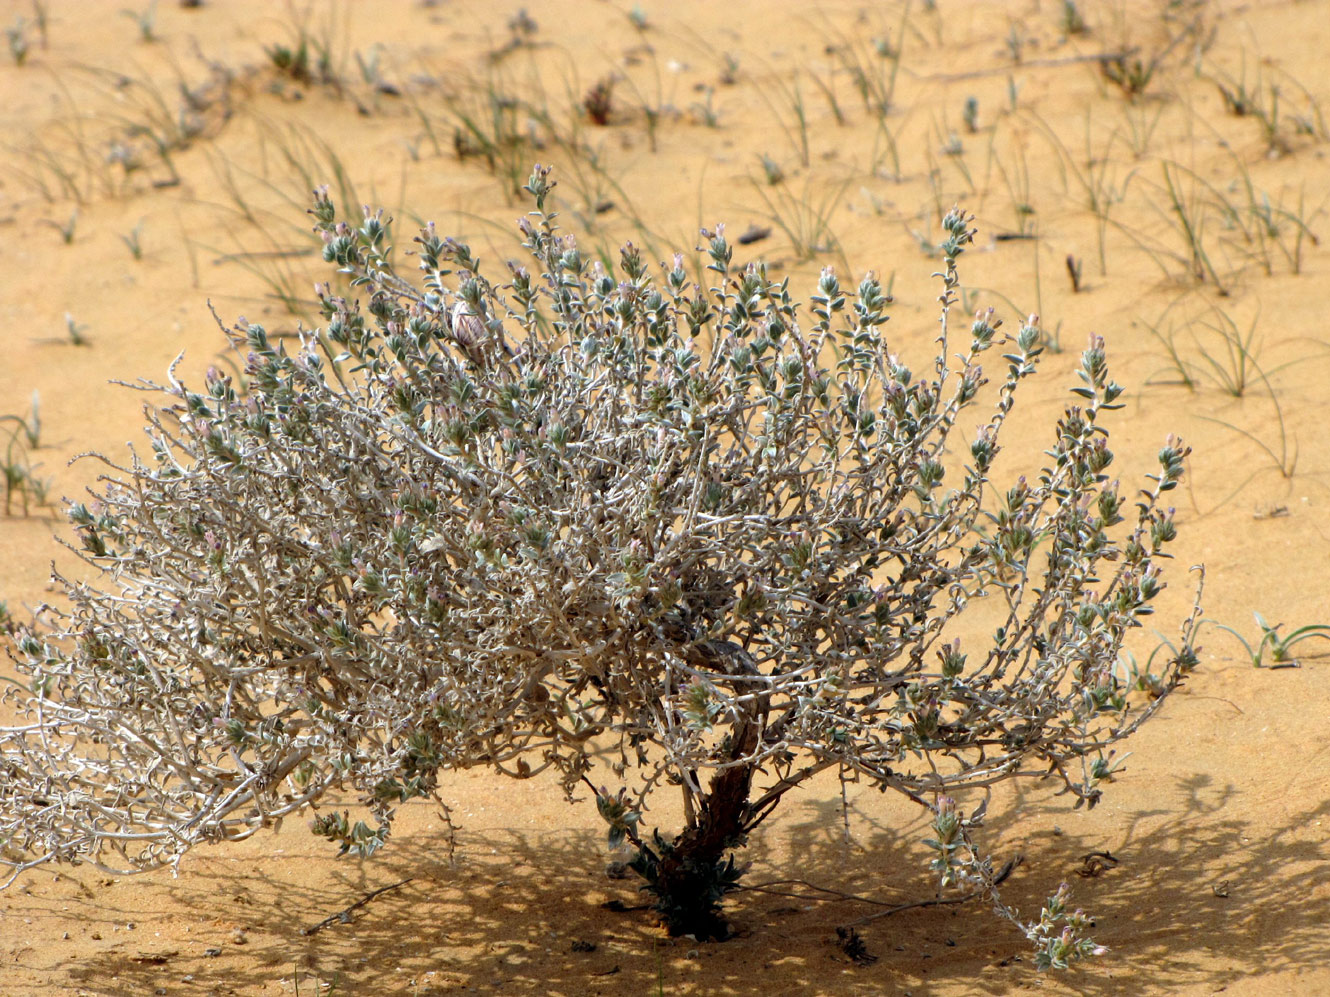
[(344, 915)]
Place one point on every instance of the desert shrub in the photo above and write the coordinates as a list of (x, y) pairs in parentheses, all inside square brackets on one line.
[(636, 531)]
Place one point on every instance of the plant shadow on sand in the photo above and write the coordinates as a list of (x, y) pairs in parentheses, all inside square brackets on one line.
[(1197, 896)]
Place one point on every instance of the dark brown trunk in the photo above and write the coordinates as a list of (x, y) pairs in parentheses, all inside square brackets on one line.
[(694, 873)]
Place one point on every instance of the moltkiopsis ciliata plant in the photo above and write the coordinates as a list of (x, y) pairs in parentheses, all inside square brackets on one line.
[(638, 532)]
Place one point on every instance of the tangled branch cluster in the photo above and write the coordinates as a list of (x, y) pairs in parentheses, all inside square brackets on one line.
[(517, 524)]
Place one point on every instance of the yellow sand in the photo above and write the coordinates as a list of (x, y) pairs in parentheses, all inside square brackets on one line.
[(1220, 820)]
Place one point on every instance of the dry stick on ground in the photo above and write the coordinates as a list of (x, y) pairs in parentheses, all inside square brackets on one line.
[(936, 901), (839, 896), (344, 915), (1068, 60)]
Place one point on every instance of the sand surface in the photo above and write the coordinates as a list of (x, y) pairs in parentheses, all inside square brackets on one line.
[(1221, 820)]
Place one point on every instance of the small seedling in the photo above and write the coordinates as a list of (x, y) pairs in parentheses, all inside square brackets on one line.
[(1132, 73), (1188, 212), (827, 86), (134, 240), (308, 59), (17, 33), (873, 67), (1133, 675), (1260, 100), (795, 126), (16, 474), (293, 62), (1015, 41), (1102, 185), (75, 331), (729, 69), (706, 110), (31, 427), (1015, 176), (369, 67), (970, 115), (804, 217), (146, 20), (67, 229), (1131, 76), (1073, 22), (1281, 647), (772, 170), (20, 477), (650, 96), (638, 17)]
